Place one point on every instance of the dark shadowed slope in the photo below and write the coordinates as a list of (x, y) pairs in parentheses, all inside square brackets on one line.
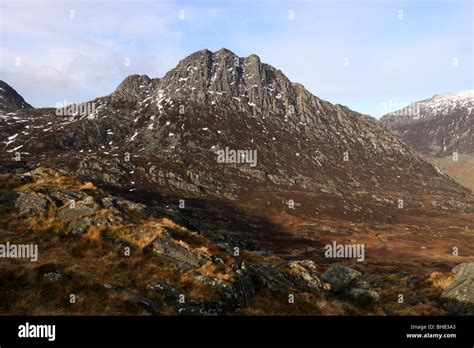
[(10, 100)]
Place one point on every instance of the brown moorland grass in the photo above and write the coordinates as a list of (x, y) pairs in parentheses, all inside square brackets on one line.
[(91, 260)]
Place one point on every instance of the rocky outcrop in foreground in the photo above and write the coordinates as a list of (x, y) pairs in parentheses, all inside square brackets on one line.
[(460, 293), (119, 256)]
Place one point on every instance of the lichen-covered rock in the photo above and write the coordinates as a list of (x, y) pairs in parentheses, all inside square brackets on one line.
[(69, 214), (340, 277), (171, 249), (234, 293), (304, 274), (64, 194), (270, 277), (78, 227), (459, 295), (363, 296), (108, 202), (25, 204), (131, 207), (361, 284)]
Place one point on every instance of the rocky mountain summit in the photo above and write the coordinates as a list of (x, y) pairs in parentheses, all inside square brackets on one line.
[(165, 134)]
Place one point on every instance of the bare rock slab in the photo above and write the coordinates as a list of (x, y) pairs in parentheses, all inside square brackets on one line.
[(460, 293)]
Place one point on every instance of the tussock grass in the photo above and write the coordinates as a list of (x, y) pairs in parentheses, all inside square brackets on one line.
[(91, 260)]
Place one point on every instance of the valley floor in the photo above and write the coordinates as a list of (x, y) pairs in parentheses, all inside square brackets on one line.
[(104, 254)]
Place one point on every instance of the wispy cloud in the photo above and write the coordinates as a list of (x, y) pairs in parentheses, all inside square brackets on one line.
[(356, 53)]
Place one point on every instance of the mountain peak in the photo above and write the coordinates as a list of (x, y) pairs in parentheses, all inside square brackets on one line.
[(253, 58), (214, 77), (133, 87), (236, 134), (201, 53), (224, 51)]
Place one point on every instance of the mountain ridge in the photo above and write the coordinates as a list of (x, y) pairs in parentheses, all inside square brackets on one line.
[(441, 129), (146, 171), (10, 99), (214, 100)]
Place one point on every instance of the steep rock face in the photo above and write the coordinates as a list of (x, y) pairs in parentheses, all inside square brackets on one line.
[(437, 126), (165, 135), (133, 88), (10, 100)]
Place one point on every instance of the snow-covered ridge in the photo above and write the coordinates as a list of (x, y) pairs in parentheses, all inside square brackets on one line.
[(438, 126), (469, 94), (442, 104), (442, 101), (438, 105)]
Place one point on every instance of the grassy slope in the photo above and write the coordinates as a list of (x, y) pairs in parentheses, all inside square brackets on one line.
[(90, 260), (461, 170)]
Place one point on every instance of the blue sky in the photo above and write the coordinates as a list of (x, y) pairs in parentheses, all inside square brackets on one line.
[(371, 55)]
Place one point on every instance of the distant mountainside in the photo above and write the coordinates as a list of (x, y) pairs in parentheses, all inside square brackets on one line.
[(437, 126), (10, 99), (442, 129)]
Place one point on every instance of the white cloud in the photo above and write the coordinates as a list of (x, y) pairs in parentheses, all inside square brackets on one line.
[(49, 77), (87, 53)]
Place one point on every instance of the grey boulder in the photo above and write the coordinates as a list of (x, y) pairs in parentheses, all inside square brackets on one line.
[(340, 277)]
